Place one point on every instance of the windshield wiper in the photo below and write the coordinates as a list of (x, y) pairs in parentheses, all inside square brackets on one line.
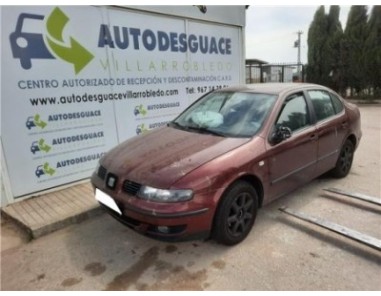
[(176, 124), (205, 130), (195, 128)]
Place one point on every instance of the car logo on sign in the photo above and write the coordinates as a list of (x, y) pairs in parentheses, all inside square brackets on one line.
[(32, 45)]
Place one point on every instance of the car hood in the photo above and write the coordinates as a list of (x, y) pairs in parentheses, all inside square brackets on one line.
[(160, 157)]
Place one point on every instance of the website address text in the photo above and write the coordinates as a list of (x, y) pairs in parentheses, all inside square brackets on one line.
[(100, 98)]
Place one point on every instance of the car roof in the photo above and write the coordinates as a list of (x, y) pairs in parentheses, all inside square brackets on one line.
[(271, 88)]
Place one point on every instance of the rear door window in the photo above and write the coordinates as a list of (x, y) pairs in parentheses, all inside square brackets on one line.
[(322, 104)]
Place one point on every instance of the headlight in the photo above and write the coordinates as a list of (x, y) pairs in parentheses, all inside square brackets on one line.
[(162, 195)]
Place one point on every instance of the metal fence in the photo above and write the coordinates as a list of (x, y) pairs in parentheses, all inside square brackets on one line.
[(262, 73)]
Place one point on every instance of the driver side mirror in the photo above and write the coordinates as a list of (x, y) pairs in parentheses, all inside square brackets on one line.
[(280, 134)]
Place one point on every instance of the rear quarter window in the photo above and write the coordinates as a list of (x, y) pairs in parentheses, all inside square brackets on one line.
[(337, 104)]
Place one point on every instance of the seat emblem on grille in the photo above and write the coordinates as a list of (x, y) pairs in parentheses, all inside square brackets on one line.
[(111, 181)]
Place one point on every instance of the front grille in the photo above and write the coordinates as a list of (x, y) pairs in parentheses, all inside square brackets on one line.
[(131, 187), (102, 171)]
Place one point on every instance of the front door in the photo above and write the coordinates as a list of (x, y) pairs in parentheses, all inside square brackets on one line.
[(292, 162)]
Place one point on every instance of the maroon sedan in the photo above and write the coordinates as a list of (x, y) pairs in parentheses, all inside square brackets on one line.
[(232, 151)]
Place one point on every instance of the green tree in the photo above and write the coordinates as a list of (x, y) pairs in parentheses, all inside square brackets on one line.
[(333, 49), (353, 56), (316, 40), (373, 51)]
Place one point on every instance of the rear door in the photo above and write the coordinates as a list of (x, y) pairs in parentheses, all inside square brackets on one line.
[(331, 125), (292, 162)]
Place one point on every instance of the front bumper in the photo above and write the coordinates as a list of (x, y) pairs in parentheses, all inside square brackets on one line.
[(157, 229), (170, 222)]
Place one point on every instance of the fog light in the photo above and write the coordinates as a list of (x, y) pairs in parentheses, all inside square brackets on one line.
[(163, 229)]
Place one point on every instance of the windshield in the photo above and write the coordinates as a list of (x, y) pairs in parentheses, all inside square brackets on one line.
[(231, 114)]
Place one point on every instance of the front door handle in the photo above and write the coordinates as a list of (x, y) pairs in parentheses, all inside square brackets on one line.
[(314, 137)]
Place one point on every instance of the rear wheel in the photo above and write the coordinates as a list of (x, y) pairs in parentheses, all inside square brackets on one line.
[(235, 214), (344, 162)]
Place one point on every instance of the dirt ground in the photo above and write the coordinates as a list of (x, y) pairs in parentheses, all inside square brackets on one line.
[(280, 253)]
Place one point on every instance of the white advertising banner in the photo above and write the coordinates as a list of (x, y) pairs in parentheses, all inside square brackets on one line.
[(77, 80)]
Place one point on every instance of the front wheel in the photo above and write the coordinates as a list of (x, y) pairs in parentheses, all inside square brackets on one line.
[(344, 162), (235, 214)]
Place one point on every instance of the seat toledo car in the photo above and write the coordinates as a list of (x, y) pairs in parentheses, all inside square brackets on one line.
[(231, 152)]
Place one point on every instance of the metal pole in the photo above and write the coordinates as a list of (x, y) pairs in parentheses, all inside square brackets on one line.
[(347, 232), (370, 199), (299, 59)]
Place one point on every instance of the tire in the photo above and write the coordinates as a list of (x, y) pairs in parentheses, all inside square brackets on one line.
[(235, 214), (344, 162)]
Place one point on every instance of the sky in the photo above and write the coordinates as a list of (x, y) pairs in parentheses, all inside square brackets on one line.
[(271, 31)]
